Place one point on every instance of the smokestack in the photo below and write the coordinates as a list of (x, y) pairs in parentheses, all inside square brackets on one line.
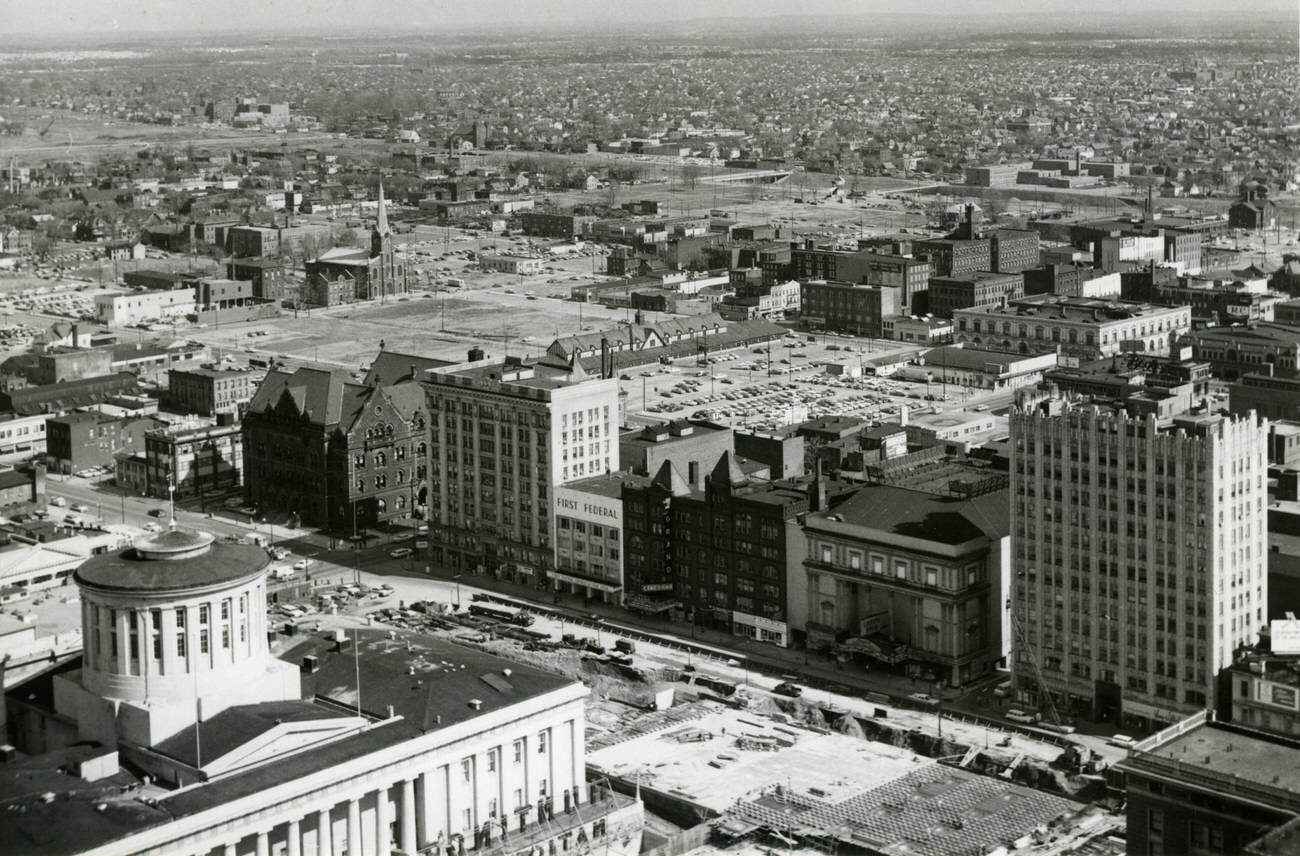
[(76, 335)]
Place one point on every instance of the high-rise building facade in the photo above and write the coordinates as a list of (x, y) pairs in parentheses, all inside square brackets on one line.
[(1140, 554), (503, 436)]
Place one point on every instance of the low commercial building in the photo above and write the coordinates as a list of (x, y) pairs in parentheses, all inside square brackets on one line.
[(194, 461), (589, 535), (955, 256), (979, 288), (121, 310), (267, 276), (995, 175), (863, 267), (1202, 786), (1270, 349), (519, 265), (914, 578), (976, 368), (1013, 250), (1265, 692), (693, 447), (206, 391), (86, 439), (850, 308), (926, 330), (1271, 397), (61, 397), (22, 437), (22, 486), (1163, 387), (1084, 327)]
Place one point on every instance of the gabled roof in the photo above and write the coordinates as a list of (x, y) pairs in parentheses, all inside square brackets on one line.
[(670, 480), (927, 516), (391, 367), (317, 394), (727, 471)]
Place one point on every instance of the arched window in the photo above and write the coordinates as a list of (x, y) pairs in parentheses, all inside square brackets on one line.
[(422, 450), (380, 459), (381, 506), (401, 502), (401, 476), (361, 485)]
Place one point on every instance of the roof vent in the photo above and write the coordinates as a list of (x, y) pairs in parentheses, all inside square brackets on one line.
[(475, 704)]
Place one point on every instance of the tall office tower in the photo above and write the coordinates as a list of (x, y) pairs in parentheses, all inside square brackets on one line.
[(504, 435), (1140, 553)]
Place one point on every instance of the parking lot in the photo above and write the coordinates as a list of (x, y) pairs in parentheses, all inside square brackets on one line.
[(761, 388)]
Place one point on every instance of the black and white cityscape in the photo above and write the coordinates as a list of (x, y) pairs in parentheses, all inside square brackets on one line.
[(604, 429)]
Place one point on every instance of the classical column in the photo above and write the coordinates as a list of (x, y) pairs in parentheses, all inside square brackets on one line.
[(123, 620), (422, 802), (354, 827), (407, 842), (324, 834), (383, 828), (263, 844), (295, 839)]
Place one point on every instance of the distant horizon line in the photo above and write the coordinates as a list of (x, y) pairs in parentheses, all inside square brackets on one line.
[(1259, 20)]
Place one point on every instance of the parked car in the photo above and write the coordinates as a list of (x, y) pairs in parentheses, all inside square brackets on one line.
[(786, 688), (1018, 715), (400, 552), (924, 698), (1123, 741)]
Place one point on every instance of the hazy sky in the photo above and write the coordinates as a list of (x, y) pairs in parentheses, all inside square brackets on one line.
[(127, 16)]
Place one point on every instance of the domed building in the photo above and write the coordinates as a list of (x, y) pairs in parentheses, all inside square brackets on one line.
[(174, 628), (181, 732)]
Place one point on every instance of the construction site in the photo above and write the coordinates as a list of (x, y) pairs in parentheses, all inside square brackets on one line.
[(774, 780)]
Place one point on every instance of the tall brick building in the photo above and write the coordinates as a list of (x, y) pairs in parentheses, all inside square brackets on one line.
[(333, 452)]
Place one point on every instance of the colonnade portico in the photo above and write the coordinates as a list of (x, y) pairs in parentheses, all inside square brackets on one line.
[(378, 822)]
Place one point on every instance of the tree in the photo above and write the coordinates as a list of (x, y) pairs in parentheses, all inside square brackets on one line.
[(690, 175)]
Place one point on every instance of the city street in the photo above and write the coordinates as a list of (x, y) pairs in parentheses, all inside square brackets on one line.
[(754, 665)]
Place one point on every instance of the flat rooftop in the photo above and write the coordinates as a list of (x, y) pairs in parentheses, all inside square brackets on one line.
[(1230, 755), (429, 681)]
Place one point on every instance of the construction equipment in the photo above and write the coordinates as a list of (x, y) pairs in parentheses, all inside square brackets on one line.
[(47, 128), (1027, 651)]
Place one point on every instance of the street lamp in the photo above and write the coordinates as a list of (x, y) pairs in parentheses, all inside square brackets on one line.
[(456, 577)]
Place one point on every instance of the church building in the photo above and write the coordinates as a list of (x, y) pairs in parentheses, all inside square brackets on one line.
[(349, 274)]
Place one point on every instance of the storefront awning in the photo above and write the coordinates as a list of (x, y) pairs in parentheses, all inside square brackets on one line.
[(583, 581)]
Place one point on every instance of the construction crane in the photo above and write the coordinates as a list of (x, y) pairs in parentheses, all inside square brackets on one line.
[(47, 128), (1027, 651)]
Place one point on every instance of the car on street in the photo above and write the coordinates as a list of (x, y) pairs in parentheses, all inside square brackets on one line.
[(58, 501), (157, 512), (786, 688), (1123, 741), (400, 552), (923, 698), (301, 564), (79, 507), (1017, 715), (152, 527)]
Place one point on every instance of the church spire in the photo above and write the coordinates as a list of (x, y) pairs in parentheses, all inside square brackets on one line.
[(381, 225)]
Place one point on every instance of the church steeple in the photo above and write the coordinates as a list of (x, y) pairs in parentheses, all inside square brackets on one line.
[(381, 225)]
